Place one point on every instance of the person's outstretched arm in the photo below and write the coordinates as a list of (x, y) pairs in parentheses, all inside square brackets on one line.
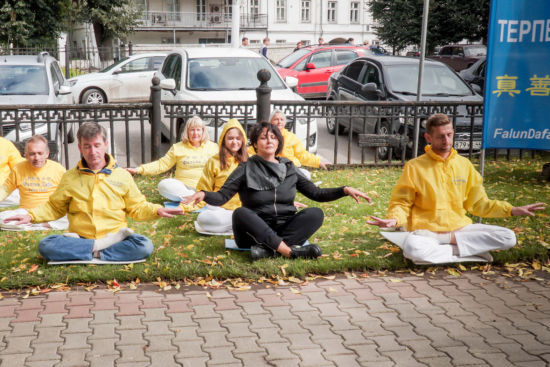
[(309, 190), (226, 192), (477, 203), (160, 166), (402, 198)]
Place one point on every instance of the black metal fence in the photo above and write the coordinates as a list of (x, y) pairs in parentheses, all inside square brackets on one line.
[(136, 130)]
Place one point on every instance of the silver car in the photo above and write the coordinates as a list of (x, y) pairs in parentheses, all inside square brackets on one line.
[(128, 80), (33, 80)]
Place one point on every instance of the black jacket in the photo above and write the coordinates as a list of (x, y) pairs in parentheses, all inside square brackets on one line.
[(269, 189)]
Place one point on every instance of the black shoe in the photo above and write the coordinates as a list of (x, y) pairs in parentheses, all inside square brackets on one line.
[(260, 252), (310, 251)]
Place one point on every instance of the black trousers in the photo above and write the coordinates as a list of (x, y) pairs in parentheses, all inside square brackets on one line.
[(250, 230)]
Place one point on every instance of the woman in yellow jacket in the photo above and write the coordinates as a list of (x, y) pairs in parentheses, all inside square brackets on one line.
[(232, 152), (190, 155), (294, 149)]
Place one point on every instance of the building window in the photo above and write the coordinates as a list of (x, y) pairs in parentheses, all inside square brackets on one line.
[(306, 11), (254, 41), (170, 40), (305, 42), (281, 10), (331, 16), (354, 12), (367, 28), (280, 41), (141, 5), (254, 7), (201, 9)]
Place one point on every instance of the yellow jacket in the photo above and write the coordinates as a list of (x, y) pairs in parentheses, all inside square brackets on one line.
[(35, 185), (9, 157), (213, 177), (96, 202), (295, 151), (434, 194), (190, 162)]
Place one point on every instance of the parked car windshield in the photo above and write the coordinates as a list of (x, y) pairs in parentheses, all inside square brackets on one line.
[(229, 73), (376, 51), (114, 65), (292, 58), (476, 51), (438, 80), (23, 80)]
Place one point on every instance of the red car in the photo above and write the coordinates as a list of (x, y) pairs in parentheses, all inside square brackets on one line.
[(312, 66)]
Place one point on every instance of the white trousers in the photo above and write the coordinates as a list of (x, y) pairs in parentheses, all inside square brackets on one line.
[(174, 190), (474, 239), (61, 224), (216, 220), (305, 173), (11, 200)]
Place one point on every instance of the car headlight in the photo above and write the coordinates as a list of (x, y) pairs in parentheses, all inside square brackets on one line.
[(410, 122), (24, 126), (208, 121), (72, 82), (303, 121)]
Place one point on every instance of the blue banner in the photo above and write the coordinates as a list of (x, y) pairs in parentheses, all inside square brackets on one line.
[(516, 111)]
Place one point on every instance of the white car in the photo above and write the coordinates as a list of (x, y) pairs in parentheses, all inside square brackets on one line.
[(128, 80), (225, 74), (34, 80)]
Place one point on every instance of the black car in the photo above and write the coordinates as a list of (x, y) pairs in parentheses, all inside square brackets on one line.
[(475, 74), (394, 78)]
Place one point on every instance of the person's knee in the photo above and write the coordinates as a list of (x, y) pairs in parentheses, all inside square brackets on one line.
[(240, 214), (508, 238), (412, 249), (144, 246), (316, 215), (48, 245)]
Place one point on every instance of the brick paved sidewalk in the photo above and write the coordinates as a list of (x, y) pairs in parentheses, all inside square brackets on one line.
[(344, 322)]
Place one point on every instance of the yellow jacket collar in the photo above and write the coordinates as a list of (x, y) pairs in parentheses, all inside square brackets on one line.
[(437, 158), (82, 166), (193, 147), (284, 132)]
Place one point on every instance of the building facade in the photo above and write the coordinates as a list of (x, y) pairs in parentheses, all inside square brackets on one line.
[(283, 21)]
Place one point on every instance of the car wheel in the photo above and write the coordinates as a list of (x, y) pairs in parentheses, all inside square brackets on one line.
[(94, 96), (384, 130), (331, 122)]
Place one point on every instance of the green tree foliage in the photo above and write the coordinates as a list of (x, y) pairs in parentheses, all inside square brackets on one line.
[(32, 22), (449, 21), (116, 18)]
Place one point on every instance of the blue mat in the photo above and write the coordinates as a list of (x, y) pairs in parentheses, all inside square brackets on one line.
[(175, 204)]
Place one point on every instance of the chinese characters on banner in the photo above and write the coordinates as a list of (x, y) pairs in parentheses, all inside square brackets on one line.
[(517, 96)]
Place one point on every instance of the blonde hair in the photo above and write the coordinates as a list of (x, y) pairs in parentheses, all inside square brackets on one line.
[(194, 121)]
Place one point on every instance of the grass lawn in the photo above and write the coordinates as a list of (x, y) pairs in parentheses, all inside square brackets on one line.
[(348, 244)]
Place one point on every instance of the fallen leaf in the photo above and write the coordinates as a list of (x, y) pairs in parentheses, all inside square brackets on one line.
[(333, 290), (33, 268), (132, 286), (453, 272), (462, 267), (208, 295), (395, 280), (331, 277), (295, 291)]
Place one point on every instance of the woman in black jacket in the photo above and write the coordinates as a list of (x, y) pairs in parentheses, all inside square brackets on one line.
[(267, 222)]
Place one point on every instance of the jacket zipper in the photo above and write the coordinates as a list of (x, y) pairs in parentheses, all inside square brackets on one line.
[(275, 202)]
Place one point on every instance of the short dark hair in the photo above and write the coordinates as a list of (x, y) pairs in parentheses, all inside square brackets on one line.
[(89, 130), (258, 129), (245, 39), (439, 119)]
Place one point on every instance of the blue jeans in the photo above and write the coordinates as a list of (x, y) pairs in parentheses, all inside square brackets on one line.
[(61, 248)]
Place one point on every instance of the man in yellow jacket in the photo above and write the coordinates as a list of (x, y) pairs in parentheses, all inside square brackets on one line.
[(97, 195), (36, 178), (431, 199), (9, 157)]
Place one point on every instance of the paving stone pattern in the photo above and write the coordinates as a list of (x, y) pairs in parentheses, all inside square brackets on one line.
[(465, 321)]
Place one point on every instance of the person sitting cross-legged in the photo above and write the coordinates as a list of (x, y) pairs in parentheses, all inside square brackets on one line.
[(36, 178), (268, 222), (97, 195), (189, 156), (432, 196), (9, 157)]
